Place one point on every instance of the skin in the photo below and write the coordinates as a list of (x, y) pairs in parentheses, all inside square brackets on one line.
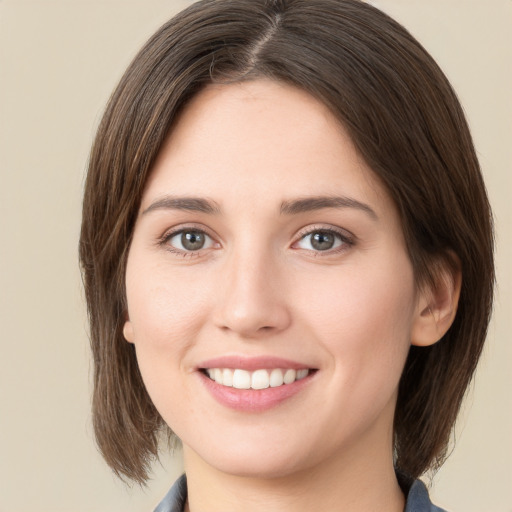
[(259, 288)]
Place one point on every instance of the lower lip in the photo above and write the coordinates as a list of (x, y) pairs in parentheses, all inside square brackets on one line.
[(254, 400)]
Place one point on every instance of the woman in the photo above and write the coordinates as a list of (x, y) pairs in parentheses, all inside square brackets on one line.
[(287, 256)]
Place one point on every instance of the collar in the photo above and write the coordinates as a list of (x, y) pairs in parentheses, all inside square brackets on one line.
[(417, 498)]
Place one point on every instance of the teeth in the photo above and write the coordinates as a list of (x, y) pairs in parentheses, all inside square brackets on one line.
[(276, 378), (302, 373), (289, 376), (241, 379), (227, 377), (258, 379)]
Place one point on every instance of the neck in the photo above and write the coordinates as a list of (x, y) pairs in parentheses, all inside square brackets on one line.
[(350, 482)]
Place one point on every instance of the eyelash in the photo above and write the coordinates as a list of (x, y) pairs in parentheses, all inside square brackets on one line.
[(345, 238), (164, 241)]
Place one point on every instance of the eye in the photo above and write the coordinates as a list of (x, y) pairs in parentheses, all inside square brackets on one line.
[(189, 240), (322, 240)]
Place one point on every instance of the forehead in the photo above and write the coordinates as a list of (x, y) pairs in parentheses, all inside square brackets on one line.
[(260, 140)]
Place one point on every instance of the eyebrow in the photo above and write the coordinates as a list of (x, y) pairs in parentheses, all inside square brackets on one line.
[(317, 203), (292, 207), (194, 204)]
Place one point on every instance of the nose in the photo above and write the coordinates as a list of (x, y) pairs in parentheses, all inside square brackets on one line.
[(253, 302)]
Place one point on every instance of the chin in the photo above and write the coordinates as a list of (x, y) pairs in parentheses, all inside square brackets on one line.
[(255, 460), (265, 468)]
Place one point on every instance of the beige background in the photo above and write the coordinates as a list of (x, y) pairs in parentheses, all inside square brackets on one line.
[(59, 61)]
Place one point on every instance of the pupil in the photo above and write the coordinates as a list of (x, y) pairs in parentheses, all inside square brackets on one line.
[(192, 241), (322, 241)]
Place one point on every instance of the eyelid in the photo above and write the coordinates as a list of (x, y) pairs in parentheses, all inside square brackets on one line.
[(347, 238), (312, 228), (180, 228)]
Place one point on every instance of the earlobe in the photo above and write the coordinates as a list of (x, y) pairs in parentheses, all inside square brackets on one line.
[(437, 307), (128, 331)]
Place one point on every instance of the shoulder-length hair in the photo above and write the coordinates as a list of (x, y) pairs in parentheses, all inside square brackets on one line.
[(405, 121)]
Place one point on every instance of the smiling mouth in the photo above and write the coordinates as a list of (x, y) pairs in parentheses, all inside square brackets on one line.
[(257, 379)]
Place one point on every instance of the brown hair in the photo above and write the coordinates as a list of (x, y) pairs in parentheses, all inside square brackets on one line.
[(405, 121)]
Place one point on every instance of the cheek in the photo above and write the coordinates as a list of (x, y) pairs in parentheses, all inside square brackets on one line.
[(165, 314), (364, 318), (164, 309)]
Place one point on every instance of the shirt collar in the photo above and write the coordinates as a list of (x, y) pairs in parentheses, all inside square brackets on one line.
[(417, 498)]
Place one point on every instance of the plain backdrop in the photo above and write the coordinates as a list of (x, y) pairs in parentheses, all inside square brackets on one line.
[(59, 61)]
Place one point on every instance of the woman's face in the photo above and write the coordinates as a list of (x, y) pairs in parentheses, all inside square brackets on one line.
[(268, 255)]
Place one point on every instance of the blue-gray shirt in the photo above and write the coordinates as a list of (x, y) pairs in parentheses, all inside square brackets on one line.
[(417, 498)]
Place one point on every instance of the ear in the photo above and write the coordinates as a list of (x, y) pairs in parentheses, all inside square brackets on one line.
[(437, 304), (128, 330)]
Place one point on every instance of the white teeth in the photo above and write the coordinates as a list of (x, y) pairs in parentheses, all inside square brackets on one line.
[(289, 376), (258, 379), (241, 379), (227, 377), (302, 373), (276, 378)]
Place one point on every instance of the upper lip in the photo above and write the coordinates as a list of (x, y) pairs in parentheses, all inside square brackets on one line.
[(252, 363)]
